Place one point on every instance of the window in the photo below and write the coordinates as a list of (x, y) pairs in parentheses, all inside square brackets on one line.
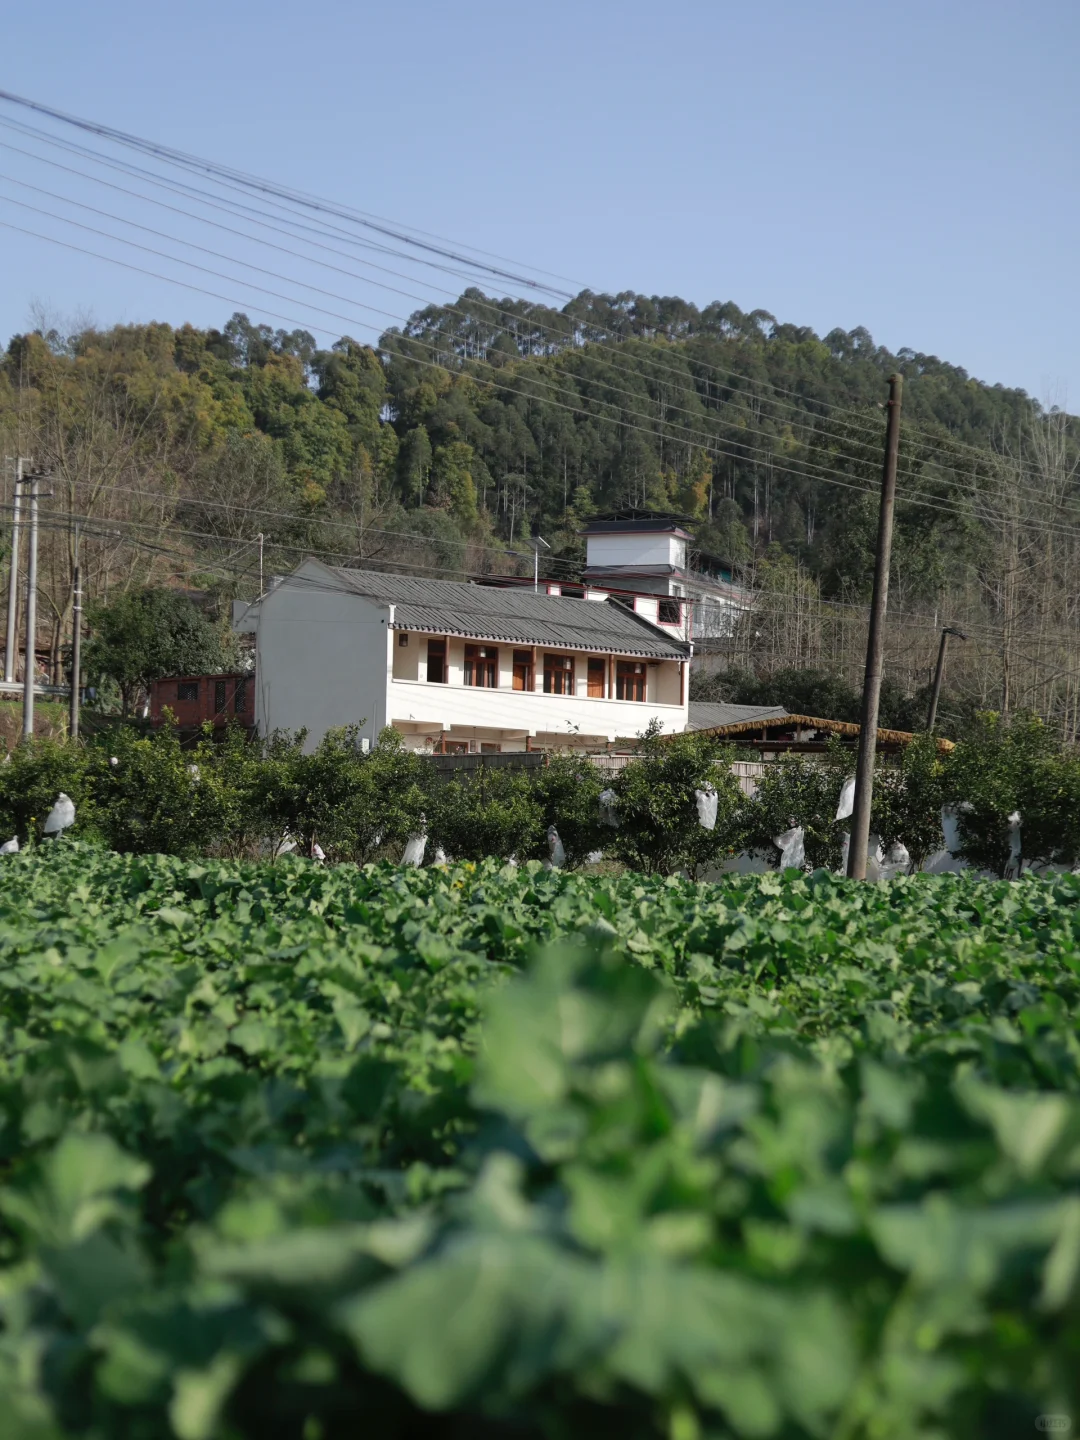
[(482, 666), (670, 610), (558, 674), (489, 747), (187, 690), (596, 678), (219, 697), (523, 670), (402, 639), (436, 661), (630, 680), (240, 697)]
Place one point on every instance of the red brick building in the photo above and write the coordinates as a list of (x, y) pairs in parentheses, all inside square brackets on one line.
[(196, 700)]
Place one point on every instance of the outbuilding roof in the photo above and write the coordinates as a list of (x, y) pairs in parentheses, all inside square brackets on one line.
[(516, 617), (708, 714)]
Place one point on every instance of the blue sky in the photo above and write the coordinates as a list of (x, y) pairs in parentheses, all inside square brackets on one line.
[(912, 170)]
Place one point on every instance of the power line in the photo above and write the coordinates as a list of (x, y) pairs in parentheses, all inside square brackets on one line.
[(808, 470), (216, 171), (195, 163)]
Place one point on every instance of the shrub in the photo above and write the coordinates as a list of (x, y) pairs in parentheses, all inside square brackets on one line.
[(356, 805), (492, 812), (908, 796), (158, 798), (659, 830), (800, 791), (567, 790), (32, 776), (1001, 767)]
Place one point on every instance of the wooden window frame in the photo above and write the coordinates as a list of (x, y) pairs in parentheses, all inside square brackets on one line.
[(482, 667), (562, 670), (596, 665), (442, 653), (240, 690), (181, 687), (634, 671)]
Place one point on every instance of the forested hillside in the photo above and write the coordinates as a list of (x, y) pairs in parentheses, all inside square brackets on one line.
[(482, 422)]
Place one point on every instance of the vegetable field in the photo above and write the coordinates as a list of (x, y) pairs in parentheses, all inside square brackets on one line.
[(294, 1153)]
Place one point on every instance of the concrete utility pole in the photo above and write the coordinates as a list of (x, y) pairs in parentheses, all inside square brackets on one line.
[(13, 581), (76, 644), (875, 644), (537, 541), (939, 674), (31, 614)]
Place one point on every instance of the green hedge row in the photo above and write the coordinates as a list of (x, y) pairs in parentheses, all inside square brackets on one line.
[(144, 794)]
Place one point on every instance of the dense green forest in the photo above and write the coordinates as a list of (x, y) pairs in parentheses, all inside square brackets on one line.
[(482, 422)]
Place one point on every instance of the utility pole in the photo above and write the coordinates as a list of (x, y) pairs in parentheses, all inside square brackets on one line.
[(31, 614), (537, 541), (76, 645), (13, 581), (875, 644), (939, 674)]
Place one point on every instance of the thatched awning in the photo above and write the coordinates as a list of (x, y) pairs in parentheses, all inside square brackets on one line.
[(893, 739)]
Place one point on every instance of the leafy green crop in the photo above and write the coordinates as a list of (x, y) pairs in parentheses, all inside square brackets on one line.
[(483, 1151)]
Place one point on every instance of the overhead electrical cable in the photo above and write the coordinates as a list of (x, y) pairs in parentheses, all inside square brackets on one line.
[(807, 470), (209, 166)]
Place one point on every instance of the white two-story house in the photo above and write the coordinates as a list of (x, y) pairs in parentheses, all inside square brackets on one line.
[(458, 667)]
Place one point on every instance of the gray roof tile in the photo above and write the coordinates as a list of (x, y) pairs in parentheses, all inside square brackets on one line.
[(705, 714), (518, 617)]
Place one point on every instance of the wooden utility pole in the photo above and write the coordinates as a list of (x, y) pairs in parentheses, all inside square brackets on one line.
[(939, 673), (30, 673), (76, 644), (13, 581), (875, 644)]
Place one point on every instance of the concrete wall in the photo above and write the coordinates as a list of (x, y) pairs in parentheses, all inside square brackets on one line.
[(636, 549), (323, 658)]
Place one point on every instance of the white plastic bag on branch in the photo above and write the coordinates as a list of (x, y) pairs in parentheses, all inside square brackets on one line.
[(897, 861), (706, 801), (1014, 863), (847, 799), (556, 849), (414, 849), (792, 848), (609, 809)]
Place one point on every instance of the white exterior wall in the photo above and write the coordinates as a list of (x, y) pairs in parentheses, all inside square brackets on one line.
[(327, 657), (635, 549), (433, 708), (322, 659)]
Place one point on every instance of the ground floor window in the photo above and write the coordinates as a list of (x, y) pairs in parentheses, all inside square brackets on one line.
[(630, 680)]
